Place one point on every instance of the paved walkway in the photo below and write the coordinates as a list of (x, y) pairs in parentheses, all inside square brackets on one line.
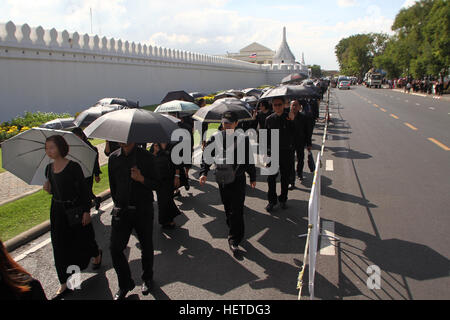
[(12, 188)]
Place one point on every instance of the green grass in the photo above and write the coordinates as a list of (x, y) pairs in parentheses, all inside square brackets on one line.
[(26, 213), (151, 107), (96, 142)]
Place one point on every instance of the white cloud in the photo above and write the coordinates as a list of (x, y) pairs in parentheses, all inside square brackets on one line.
[(347, 3), (409, 3)]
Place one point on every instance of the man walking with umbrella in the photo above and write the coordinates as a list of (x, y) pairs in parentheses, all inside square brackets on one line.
[(132, 179), (283, 122), (230, 176)]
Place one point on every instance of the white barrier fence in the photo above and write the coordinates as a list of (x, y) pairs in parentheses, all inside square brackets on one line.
[(312, 237)]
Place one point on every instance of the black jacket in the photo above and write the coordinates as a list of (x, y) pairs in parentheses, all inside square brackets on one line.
[(124, 190), (246, 167), (286, 128), (302, 136)]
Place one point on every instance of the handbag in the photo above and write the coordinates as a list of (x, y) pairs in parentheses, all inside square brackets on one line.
[(74, 214), (311, 163)]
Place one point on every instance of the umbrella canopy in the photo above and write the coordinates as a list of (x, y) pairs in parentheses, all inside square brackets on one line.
[(253, 92), (121, 101), (59, 124), (292, 78), (214, 112), (24, 154), (177, 95), (132, 125), (172, 118), (197, 95), (88, 116), (177, 106), (226, 95), (251, 100), (295, 92)]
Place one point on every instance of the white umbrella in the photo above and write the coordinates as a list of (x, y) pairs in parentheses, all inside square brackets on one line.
[(24, 154)]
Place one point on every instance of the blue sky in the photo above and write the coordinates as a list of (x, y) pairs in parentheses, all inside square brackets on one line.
[(214, 26)]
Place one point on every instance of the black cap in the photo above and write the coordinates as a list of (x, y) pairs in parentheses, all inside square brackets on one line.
[(229, 117)]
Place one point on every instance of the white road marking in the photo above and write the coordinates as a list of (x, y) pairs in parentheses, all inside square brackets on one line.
[(327, 248), (417, 104), (406, 101), (49, 240), (329, 165), (431, 108)]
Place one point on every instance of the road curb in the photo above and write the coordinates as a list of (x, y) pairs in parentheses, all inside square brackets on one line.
[(422, 95), (37, 231)]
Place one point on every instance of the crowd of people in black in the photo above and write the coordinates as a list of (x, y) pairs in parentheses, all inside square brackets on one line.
[(134, 173)]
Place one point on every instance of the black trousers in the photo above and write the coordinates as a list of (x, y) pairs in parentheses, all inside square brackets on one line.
[(90, 184), (233, 198), (300, 156), (141, 220), (167, 209), (286, 167)]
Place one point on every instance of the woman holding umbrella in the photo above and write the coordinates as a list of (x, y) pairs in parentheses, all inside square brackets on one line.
[(73, 238)]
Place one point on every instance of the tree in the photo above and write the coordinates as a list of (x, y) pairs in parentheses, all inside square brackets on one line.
[(316, 71)]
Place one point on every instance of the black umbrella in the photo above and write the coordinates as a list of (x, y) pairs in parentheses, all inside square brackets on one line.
[(178, 95), (292, 78), (294, 92), (214, 112), (121, 101), (253, 92), (226, 95), (59, 124), (251, 100), (197, 95), (88, 116), (132, 125)]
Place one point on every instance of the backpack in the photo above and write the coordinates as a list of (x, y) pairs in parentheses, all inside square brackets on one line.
[(224, 173)]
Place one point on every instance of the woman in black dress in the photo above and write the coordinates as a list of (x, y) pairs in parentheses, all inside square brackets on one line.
[(72, 245), (169, 177)]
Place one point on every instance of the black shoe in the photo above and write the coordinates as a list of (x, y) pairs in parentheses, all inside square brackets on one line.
[(234, 248), (146, 286), (98, 202), (177, 194), (291, 186), (301, 178), (96, 266), (187, 186), (122, 293), (269, 207), (283, 205)]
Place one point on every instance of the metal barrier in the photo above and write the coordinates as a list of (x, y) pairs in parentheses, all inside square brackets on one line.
[(312, 237)]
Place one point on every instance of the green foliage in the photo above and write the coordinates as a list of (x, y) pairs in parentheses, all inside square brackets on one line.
[(421, 45), (316, 71), (30, 119), (356, 53)]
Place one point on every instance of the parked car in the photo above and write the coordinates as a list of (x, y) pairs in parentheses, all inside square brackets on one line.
[(344, 85)]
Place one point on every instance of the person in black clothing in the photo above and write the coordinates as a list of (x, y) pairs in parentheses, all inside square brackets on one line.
[(260, 116), (110, 147), (233, 193), (72, 245), (169, 176), (282, 121), (96, 172), (132, 178), (302, 139), (186, 123), (15, 282)]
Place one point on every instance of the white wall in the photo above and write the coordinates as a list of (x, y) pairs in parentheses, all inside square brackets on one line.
[(47, 70)]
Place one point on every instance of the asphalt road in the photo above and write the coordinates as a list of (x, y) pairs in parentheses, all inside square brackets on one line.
[(385, 193), (387, 196)]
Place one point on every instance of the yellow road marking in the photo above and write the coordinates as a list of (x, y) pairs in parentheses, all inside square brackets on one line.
[(384, 110), (375, 105), (394, 116), (411, 126), (440, 144)]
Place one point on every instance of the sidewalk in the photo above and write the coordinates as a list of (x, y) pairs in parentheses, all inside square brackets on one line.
[(433, 96), (13, 188)]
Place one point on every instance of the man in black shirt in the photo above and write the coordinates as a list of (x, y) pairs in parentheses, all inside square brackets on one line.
[(233, 193), (132, 181), (259, 117), (283, 122), (302, 138)]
